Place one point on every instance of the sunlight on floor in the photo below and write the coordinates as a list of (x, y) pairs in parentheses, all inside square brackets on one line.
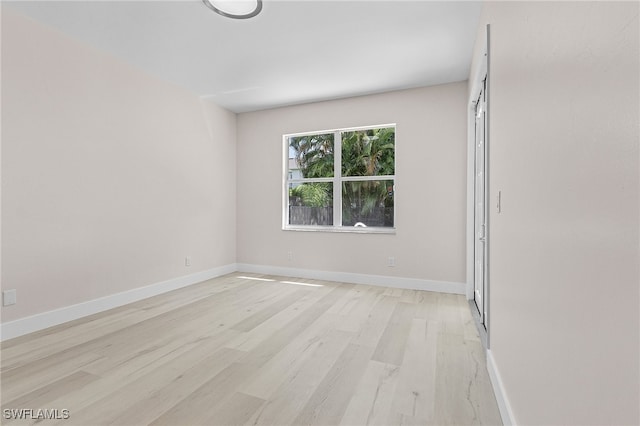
[(256, 279), (283, 282), (306, 284)]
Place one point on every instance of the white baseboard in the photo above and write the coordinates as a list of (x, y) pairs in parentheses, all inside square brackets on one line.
[(347, 277), (37, 322), (498, 389), (48, 319)]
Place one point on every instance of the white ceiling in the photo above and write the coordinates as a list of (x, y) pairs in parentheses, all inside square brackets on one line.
[(293, 52)]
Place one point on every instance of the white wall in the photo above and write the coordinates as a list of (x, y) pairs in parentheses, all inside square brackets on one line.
[(430, 187), (564, 252), (110, 177)]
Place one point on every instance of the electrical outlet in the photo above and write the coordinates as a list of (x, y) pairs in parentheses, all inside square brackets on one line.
[(392, 262), (187, 261), (9, 297), (290, 256)]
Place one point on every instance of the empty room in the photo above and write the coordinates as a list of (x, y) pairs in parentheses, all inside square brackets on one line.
[(318, 212)]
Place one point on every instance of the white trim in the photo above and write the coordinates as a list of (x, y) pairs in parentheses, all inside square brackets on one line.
[(48, 319), (310, 180), (285, 181), (352, 229), (341, 129), (477, 82), (498, 389), (43, 320), (476, 85), (348, 277), (470, 201), (337, 179), (487, 144)]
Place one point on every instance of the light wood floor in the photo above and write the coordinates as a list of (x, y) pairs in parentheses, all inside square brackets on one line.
[(236, 350)]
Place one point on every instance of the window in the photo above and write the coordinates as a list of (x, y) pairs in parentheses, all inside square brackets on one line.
[(341, 180)]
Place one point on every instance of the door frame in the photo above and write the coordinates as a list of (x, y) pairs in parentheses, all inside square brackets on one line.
[(475, 86)]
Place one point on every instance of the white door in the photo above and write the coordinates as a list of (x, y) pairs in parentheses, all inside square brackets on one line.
[(480, 213)]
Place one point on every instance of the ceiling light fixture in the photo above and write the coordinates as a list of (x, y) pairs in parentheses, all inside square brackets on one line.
[(236, 9)]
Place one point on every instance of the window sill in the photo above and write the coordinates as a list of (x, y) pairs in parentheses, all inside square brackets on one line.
[(341, 229)]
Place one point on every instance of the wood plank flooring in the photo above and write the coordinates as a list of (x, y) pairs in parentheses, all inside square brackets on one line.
[(247, 349)]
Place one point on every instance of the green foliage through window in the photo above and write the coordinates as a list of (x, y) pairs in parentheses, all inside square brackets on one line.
[(365, 178), (368, 152), (313, 154), (311, 195)]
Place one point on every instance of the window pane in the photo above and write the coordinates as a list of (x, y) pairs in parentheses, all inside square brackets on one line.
[(369, 152), (311, 156), (368, 203), (311, 204)]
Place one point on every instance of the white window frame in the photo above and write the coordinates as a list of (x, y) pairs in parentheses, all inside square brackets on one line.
[(337, 180)]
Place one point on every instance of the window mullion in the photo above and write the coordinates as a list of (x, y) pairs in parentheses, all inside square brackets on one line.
[(337, 181)]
